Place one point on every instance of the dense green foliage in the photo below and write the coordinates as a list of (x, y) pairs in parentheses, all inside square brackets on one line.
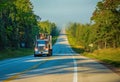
[(48, 27), (18, 24), (107, 23), (104, 30)]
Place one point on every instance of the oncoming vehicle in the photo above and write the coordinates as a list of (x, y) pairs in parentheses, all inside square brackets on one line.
[(43, 45)]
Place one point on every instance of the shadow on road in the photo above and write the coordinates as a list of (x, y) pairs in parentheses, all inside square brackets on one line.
[(59, 65)]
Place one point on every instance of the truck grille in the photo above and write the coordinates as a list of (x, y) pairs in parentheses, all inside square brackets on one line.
[(41, 48)]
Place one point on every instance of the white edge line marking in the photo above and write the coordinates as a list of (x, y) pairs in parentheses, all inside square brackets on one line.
[(75, 79)]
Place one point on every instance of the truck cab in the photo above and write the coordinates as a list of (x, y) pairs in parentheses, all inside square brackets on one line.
[(43, 45)]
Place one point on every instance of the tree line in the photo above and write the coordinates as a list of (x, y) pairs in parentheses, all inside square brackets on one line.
[(18, 24), (48, 27), (104, 29)]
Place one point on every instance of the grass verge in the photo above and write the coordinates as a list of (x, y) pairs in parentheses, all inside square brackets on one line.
[(109, 56), (74, 45), (13, 53)]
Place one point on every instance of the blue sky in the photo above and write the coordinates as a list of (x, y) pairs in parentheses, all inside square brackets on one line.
[(64, 11)]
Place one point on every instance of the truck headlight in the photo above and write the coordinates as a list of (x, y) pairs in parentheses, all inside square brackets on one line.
[(36, 49)]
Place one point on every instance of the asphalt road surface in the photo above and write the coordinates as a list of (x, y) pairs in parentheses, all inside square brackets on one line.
[(64, 66)]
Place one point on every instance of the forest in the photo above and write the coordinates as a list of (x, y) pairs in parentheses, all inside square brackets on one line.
[(19, 25), (102, 32)]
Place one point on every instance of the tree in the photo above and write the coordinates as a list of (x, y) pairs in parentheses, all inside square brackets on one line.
[(48, 27), (107, 17), (18, 23)]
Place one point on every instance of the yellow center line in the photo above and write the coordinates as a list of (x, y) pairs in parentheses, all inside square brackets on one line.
[(23, 72)]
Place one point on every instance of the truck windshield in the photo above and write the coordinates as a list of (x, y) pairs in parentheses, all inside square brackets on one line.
[(41, 42)]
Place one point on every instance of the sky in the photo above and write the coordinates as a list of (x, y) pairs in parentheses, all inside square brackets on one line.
[(63, 12)]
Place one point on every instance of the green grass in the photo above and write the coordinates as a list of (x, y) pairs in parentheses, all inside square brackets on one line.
[(110, 56), (74, 45), (13, 53)]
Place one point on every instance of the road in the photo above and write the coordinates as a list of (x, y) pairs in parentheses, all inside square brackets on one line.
[(64, 66)]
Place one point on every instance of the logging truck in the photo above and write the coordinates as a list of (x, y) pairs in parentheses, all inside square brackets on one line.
[(43, 45)]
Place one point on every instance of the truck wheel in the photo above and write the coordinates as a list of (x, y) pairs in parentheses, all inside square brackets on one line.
[(50, 52), (35, 55)]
